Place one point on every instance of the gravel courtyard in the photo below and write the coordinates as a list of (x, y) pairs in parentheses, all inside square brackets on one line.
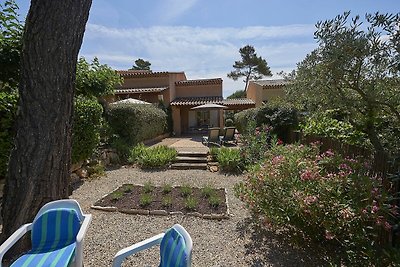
[(232, 242)]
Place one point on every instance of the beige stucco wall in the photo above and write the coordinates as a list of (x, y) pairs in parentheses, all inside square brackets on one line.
[(199, 90), (259, 93), (254, 92), (174, 77), (272, 93), (145, 82)]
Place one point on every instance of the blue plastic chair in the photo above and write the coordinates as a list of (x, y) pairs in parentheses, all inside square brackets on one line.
[(175, 248), (57, 236)]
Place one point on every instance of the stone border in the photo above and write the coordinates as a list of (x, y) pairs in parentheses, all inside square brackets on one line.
[(212, 216)]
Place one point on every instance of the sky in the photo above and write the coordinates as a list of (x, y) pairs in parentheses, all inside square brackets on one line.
[(203, 37)]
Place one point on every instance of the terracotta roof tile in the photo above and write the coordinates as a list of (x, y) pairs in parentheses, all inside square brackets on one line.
[(199, 82), (143, 73), (194, 101), (271, 83), (238, 101), (139, 90)]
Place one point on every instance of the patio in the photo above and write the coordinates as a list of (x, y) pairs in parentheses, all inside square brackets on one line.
[(231, 242)]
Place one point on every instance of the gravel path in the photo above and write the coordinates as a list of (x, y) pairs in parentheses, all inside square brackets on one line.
[(232, 242)]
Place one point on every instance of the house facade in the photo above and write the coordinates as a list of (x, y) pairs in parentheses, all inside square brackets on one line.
[(262, 91), (181, 94)]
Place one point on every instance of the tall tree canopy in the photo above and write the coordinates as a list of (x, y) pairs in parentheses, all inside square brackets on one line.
[(356, 70), (251, 67), (141, 64), (237, 94), (39, 165), (95, 79), (10, 44)]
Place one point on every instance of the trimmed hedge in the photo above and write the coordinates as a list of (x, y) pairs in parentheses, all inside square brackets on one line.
[(135, 123), (86, 128)]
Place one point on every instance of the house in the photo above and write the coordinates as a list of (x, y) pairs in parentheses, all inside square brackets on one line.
[(262, 91), (181, 94)]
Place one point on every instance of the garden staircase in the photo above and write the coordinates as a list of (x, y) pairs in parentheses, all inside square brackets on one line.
[(187, 160)]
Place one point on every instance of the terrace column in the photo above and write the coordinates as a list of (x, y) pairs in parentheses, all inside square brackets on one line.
[(176, 119), (221, 118)]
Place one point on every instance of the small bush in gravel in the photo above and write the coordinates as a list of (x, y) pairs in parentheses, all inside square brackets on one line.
[(116, 195), (148, 187), (127, 188), (167, 201), (145, 200), (186, 190), (214, 201), (166, 188), (207, 191), (191, 203)]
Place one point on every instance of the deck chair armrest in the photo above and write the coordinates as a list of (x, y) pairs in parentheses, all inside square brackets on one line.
[(145, 244), (79, 239), (13, 239)]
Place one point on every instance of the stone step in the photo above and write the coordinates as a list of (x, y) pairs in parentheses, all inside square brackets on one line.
[(182, 159), (189, 166), (192, 154)]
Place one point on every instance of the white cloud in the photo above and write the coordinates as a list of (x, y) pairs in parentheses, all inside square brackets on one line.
[(200, 52), (172, 9)]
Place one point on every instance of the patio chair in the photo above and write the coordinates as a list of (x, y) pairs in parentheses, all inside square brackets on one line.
[(229, 136), (175, 248), (57, 234), (212, 138)]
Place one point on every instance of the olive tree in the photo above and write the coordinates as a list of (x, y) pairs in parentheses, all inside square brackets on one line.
[(355, 69)]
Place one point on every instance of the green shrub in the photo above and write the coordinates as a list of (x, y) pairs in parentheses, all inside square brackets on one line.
[(116, 195), (186, 190), (325, 124), (191, 203), (167, 201), (136, 152), (207, 191), (8, 110), (255, 142), (279, 119), (123, 149), (86, 128), (214, 152), (127, 188), (230, 160), (148, 187), (214, 201), (166, 188), (135, 123), (242, 118), (157, 157), (145, 200), (229, 122), (331, 200)]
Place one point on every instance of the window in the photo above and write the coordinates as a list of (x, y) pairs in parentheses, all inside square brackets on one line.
[(203, 118)]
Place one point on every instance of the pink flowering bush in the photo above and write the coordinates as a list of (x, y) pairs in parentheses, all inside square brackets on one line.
[(327, 198)]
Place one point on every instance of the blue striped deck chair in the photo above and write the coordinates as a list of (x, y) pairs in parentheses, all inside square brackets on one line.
[(175, 248), (57, 234)]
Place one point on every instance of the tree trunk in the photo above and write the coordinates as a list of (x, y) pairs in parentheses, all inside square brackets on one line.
[(39, 166)]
